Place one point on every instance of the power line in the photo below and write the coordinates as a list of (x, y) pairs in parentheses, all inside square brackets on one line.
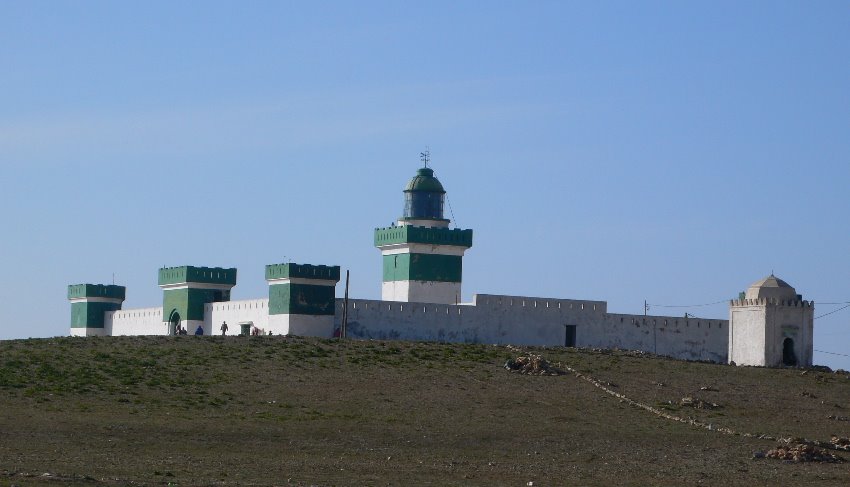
[(687, 305), (833, 353), (833, 311)]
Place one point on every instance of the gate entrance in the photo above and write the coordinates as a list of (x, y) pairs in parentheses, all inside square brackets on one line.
[(173, 322)]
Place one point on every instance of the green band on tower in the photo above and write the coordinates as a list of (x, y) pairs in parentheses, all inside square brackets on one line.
[(301, 299), (423, 267), (302, 289)]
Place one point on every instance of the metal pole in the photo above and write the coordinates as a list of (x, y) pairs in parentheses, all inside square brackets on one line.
[(344, 309)]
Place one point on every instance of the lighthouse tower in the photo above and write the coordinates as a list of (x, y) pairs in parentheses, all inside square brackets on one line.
[(422, 256)]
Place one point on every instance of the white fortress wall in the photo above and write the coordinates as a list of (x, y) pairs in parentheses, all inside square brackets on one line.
[(488, 319), (140, 321), (234, 312), (522, 320), (682, 338)]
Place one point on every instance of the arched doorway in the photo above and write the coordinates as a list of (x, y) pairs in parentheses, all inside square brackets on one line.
[(173, 322), (788, 357)]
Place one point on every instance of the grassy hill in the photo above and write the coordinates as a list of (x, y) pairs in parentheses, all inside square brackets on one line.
[(292, 411)]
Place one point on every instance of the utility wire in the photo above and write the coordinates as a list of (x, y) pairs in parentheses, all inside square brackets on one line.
[(833, 311), (833, 353), (686, 305)]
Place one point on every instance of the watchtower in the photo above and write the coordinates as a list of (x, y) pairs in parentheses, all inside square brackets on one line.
[(89, 303), (187, 289), (301, 299), (771, 325), (422, 257)]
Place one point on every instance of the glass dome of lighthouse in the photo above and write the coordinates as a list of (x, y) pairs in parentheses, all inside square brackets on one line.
[(424, 198)]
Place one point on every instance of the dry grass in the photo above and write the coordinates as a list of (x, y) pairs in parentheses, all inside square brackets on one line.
[(280, 411)]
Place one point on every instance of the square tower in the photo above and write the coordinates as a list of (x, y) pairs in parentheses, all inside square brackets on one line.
[(185, 291), (302, 299), (771, 325), (89, 303)]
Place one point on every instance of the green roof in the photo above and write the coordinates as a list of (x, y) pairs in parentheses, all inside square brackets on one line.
[(111, 291), (433, 236), (303, 271), (425, 181), (205, 275)]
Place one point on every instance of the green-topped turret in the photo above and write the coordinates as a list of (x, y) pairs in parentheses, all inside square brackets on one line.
[(422, 256), (186, 289), (302, 298), (109, 291), (89, 305)]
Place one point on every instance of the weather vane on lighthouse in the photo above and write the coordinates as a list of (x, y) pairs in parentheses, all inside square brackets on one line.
[(425, 157)]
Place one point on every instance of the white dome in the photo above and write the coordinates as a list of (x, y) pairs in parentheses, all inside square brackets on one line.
[(771, 287)]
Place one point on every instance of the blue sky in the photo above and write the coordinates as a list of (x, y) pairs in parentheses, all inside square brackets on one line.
[(621, 151)]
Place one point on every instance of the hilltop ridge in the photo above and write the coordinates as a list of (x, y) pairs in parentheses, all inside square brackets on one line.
[(298, 411)]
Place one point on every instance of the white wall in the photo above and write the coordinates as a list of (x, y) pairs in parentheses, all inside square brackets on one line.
[(521, 320), (683, 338), (747, 320), (140, 321), (793, 320), (518, 320), (234, 312), (488, 319), (421, 291)]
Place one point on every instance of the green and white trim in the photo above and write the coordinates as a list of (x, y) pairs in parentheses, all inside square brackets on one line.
[(422, 264), (90, 303), (186, 289), (301, 299)]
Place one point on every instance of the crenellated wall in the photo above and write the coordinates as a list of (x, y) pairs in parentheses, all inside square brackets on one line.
[(792, 303), (234, 312), (488, 319), (683, 338), (497, 319), (140, 321), (523, 320)]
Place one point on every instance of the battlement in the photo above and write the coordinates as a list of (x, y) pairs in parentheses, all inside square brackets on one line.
[(302, 271), (425, 235), (797, 303), (109, 291), (205, 275)]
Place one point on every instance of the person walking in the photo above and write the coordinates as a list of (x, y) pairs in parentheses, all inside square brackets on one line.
[(223, 328)]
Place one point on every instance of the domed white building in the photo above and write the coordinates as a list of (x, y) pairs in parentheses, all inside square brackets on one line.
[(771, 325)]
